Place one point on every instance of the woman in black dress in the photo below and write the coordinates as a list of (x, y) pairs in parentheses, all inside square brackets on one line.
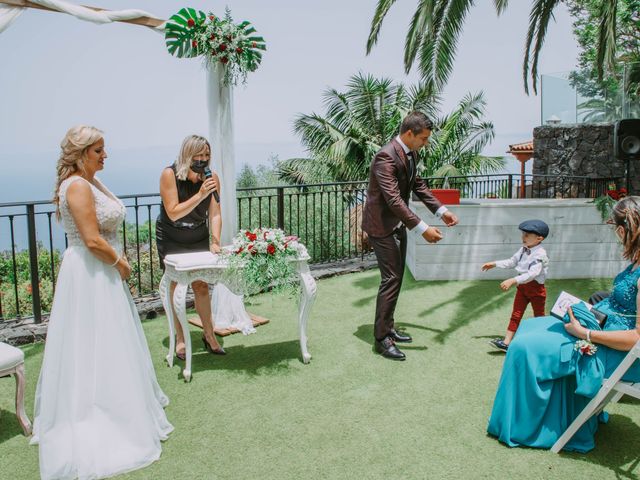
[(190, 221)]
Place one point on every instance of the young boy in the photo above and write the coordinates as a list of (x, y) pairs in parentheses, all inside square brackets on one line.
[(530, 261)]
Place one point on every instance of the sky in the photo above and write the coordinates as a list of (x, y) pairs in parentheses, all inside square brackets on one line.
[(57, 71)]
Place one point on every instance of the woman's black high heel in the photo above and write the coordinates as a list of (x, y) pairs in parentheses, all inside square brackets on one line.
[(216, 351)]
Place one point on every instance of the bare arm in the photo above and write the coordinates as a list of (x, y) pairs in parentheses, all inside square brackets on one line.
[(215, 220), (169, 193), (616, 339), (83, 210)]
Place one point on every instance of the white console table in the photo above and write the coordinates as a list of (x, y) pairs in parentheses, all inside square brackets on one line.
[(185, 268)]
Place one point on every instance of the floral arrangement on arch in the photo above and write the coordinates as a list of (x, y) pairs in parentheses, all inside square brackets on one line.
[(267, 258), (233, 47)]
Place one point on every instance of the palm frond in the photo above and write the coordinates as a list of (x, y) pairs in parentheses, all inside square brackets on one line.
[(421, 23), (439, 46), (501, 5), (376, 23), (539, 17), (606, 49)]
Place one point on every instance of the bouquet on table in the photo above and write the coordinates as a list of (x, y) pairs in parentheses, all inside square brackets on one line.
[(266, 257)]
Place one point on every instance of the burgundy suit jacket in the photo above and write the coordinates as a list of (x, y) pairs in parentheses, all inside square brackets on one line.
[(389, 191)]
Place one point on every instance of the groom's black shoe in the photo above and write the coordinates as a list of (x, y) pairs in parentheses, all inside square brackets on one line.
[(387, 348), (400, 337)]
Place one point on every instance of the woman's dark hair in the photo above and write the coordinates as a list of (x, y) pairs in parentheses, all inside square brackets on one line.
[(626, 214), (416, 122)]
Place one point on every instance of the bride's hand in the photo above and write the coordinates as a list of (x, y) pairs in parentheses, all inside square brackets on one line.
[(215, 248), (124, 269), (573, 327)]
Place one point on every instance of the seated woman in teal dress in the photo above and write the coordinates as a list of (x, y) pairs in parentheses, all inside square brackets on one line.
[(545, 381)]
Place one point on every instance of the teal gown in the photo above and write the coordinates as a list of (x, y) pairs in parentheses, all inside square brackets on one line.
[(545, 383)]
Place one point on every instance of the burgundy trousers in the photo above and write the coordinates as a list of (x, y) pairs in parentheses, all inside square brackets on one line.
[(531, 292), (390, 252)]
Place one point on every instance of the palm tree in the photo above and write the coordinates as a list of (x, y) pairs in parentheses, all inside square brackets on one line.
[(436, 26), (455, 148), (342, 143), (356, 124)]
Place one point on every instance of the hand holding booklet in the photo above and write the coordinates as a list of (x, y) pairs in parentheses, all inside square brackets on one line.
[(566, 300)]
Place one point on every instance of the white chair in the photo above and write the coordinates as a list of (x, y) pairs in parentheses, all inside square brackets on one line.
[(613, 388), (12, 363)]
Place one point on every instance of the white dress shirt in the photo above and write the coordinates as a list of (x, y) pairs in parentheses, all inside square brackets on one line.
[(531, 264), (422, 226)]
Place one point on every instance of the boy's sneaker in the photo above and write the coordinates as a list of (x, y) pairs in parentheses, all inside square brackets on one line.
[(499, 344)]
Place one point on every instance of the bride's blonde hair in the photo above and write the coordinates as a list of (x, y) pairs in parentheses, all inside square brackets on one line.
[(191, 146), (73, 151)]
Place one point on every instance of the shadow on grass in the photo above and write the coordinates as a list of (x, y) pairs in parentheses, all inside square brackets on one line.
[(480, 297), (365, 333), (617, 448), (9, 426), (271, 359)]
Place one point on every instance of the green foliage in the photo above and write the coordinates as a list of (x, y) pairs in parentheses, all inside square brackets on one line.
[(604, 204), (141, 282), (179, 33), (606, 95), (359, 121), (436, 27)]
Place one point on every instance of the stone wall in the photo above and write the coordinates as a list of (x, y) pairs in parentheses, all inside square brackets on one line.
[(580, 150)]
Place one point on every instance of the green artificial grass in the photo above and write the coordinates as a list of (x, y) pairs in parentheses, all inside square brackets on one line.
[(260, 413)]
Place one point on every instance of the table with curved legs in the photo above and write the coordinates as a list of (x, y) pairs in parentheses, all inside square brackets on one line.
[(185, 268)]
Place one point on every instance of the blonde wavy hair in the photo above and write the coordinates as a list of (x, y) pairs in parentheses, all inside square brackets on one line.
[(191, 146), (73, 152), (626, 214)]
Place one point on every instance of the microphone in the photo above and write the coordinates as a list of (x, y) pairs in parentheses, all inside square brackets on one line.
[(208, 174)]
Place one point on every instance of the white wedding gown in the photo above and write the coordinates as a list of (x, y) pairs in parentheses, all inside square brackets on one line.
[(98, 408)]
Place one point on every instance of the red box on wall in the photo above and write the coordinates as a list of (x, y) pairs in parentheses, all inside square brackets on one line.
[(447, 196)]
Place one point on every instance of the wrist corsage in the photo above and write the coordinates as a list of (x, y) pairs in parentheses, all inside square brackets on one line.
[(585, 347)]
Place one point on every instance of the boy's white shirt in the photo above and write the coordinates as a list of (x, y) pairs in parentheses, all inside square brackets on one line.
[(530, 266)]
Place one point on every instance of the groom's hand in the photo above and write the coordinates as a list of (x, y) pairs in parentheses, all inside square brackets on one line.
[(432, 235), (449, 218)]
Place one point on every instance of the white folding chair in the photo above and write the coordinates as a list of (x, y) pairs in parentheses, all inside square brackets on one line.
[(12, 363), (613, 388)]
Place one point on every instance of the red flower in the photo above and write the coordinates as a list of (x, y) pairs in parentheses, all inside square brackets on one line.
[(239, 50), (194, 44), (222, 47), (254, 44), (239, 250), (251, 236), (613, 194), (190, 22), (264, 235), (271, 249), (212, 37), (212, 17)]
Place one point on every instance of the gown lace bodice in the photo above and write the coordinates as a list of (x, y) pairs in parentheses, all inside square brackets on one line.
[(110, 213)]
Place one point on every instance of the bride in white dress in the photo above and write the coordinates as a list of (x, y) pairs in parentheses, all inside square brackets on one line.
[(99, 408)]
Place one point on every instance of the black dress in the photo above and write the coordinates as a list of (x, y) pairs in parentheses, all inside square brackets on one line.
[(189, 233)]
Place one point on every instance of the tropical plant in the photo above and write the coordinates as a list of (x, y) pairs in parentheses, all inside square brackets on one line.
[(191, 33), (359, 121), (436, 27), (614, 96)]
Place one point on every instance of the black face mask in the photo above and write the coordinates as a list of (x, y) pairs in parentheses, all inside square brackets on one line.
[(198, 166)]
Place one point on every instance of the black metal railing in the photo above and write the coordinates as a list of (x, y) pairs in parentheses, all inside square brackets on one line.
[(326, 217)]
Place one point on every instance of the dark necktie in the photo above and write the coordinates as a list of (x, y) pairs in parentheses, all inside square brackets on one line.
[(411, 165), (526, 250)]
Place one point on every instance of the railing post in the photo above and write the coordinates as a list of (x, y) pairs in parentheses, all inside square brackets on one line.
[(510, 194), (33, 262), (280, 219)]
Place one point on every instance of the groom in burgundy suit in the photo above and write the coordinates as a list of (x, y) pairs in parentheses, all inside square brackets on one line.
[(387, 217)]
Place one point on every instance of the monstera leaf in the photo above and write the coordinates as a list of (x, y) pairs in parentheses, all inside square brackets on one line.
[(180, 31), (253, 55)]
